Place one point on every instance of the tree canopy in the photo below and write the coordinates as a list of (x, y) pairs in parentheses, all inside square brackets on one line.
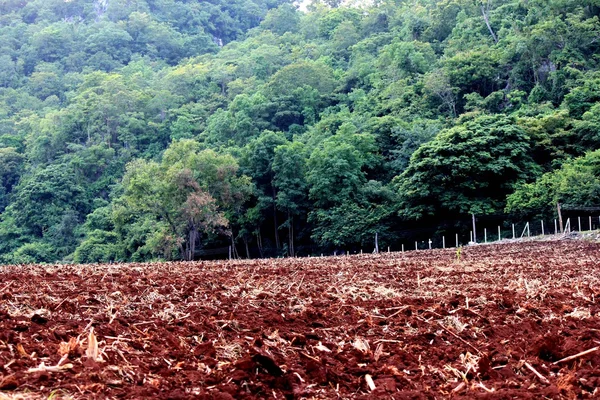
[(139, 130)]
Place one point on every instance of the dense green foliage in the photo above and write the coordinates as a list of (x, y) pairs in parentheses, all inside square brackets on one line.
[(146, 129), (575, 184)]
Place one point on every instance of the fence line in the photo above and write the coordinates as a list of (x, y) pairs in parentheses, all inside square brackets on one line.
[(593, 223), (526, 233)]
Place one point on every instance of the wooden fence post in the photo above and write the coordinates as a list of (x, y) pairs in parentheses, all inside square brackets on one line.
[(542, 227)]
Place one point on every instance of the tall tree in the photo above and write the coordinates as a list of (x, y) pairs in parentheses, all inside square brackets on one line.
[(289, 166), (189, 193), (467, 169), (257, 162)]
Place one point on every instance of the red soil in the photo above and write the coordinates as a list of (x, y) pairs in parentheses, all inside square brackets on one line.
[(422, 325)]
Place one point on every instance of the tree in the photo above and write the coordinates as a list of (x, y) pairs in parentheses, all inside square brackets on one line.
[(438, 84), (401, 59), (575, 184), (476, 70), (33, 253), (587, 130), (293, 76), (111, 39), (470, 168), (485, 10), (189, 193), (344, 36), (355, 223), (334, 173), (283, 19), (8, 71), (409, 137), (176, 200), (289, 167), (553, 138), (43, 198), (582, 98), (98, 246), (257, 162), (46, 207), (338, 187), (53, 42), (330, 19), (11, 164)]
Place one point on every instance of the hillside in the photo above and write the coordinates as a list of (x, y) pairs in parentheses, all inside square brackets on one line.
[(161, 129)]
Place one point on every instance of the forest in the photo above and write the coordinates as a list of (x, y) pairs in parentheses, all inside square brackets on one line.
[(136, 130)]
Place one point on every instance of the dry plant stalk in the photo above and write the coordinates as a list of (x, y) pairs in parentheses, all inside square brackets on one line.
[(459, 338), (51, 368), (92, 350), (361, 345), (460, 387), (540, 376), (573, 357), (482, 386), (470, 361), (320, 346), (378, 352), (47, 368), (370, 382), (65, 348), (21, 350)]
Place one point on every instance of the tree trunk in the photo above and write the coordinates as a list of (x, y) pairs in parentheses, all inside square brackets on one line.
[(182, 251), (453, 108), (193, 238), (234, 249), (246, 245), (291, 234), (259, 242), (484, 12), (560, 220), (276, 225)]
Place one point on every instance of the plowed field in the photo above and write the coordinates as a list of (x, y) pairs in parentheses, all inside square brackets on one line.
[(490, 322)]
